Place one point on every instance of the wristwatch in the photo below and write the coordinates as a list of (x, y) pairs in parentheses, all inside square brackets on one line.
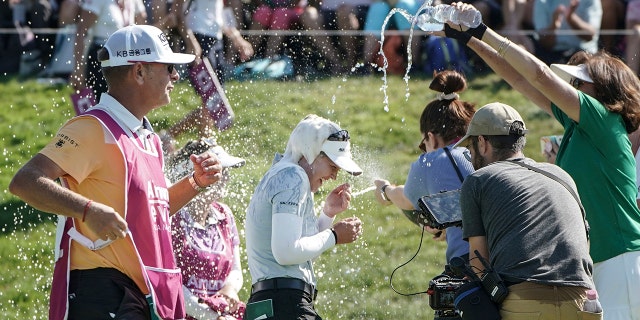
[(384, 193)]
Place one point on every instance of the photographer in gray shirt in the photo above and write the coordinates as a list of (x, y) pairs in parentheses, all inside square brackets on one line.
[(526, 224)]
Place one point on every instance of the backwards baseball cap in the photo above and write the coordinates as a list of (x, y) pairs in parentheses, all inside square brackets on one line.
[(566, 72), (314, 135), (141, 43), (493, 119)]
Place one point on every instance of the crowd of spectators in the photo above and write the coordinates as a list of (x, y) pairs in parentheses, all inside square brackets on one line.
[(37, 36)]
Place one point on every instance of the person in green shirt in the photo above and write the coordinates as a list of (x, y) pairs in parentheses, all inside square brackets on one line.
[(597, 102)]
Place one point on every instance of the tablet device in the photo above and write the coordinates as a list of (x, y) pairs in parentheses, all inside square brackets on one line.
[(442, 210)]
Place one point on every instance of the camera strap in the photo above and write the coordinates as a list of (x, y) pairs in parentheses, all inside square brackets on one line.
[(563, 183), (455, 164)]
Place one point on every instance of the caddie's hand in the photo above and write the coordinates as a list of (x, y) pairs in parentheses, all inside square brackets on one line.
[(338, 200), (348, 230), (104, 221), (207, 168)]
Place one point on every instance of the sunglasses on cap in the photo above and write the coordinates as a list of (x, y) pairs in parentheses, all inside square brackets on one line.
[(342, 135)]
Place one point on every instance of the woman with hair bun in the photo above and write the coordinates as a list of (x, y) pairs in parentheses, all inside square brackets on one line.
[(440, 167)]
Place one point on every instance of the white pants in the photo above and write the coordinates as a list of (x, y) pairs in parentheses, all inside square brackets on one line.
[(618, 283)]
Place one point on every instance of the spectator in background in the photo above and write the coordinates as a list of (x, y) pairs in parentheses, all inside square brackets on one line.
[(288, 15), (374, 21), (598, 104), (346, 15), (201, 24), (613, 19), (35, 49), (98, 20), (440, 167), (565, 27), (9, 42), (206, 241), (514, 13), (632, 50)]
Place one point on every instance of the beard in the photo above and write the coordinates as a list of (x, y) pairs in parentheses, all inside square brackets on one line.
[(478, 161)]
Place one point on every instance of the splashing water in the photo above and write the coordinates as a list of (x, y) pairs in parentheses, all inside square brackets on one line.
[(411, 18), (361, 192)]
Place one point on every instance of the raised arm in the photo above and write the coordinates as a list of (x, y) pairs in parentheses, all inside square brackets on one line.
[(531, 70)]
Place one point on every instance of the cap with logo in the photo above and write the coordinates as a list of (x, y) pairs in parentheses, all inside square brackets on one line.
[(141, 43), (493, 119), (338, 148), (314, 135), (180, 165), (566, 72)]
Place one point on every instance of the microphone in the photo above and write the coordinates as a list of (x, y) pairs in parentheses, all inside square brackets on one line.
[(459, 266)]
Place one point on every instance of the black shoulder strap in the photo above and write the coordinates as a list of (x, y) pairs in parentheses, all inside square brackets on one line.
[(564, 184), (455, 165)]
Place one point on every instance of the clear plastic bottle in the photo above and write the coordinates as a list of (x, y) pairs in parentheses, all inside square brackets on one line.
[(592, 304), (434, 17), (426, 20)]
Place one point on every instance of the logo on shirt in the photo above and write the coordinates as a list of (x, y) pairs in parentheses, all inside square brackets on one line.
[(64, 139)]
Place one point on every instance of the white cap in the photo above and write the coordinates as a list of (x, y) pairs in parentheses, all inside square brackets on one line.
[(141, 43), (340, 153), (566, 72), (313, 135), (181, 164), (227, 160)]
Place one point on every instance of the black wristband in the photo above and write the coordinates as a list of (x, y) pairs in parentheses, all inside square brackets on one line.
[(478, 31), (452, 33), (384, 193), (335, 235)]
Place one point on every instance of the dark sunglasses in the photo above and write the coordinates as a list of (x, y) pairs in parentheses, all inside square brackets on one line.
[(342, 135), (170, 67), (423, 145), (576, 83)]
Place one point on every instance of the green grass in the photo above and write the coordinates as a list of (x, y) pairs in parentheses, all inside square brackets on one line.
[(353, 279)]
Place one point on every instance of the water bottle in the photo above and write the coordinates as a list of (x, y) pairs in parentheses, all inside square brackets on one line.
[(434, 17), (592, 304), (427, 22)]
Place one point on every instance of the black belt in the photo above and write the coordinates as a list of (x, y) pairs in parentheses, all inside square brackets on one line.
[(284, 283)]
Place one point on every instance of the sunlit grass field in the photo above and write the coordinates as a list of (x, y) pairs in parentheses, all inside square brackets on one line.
[(353, 279)]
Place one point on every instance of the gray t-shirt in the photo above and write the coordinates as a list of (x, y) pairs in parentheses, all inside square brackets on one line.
[(533, 226), (284, 188)]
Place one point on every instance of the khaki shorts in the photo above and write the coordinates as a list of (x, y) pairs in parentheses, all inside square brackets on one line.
[(531, 301)]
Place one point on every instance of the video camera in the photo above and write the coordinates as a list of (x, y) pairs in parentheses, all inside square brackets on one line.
[(442, 290), (460, 290)]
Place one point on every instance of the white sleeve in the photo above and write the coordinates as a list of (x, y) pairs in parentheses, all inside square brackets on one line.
[(196, 309), (234, 279), (324, 222), (288, 245)]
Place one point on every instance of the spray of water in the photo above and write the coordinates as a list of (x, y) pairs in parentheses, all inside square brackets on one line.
[(411, 18)]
